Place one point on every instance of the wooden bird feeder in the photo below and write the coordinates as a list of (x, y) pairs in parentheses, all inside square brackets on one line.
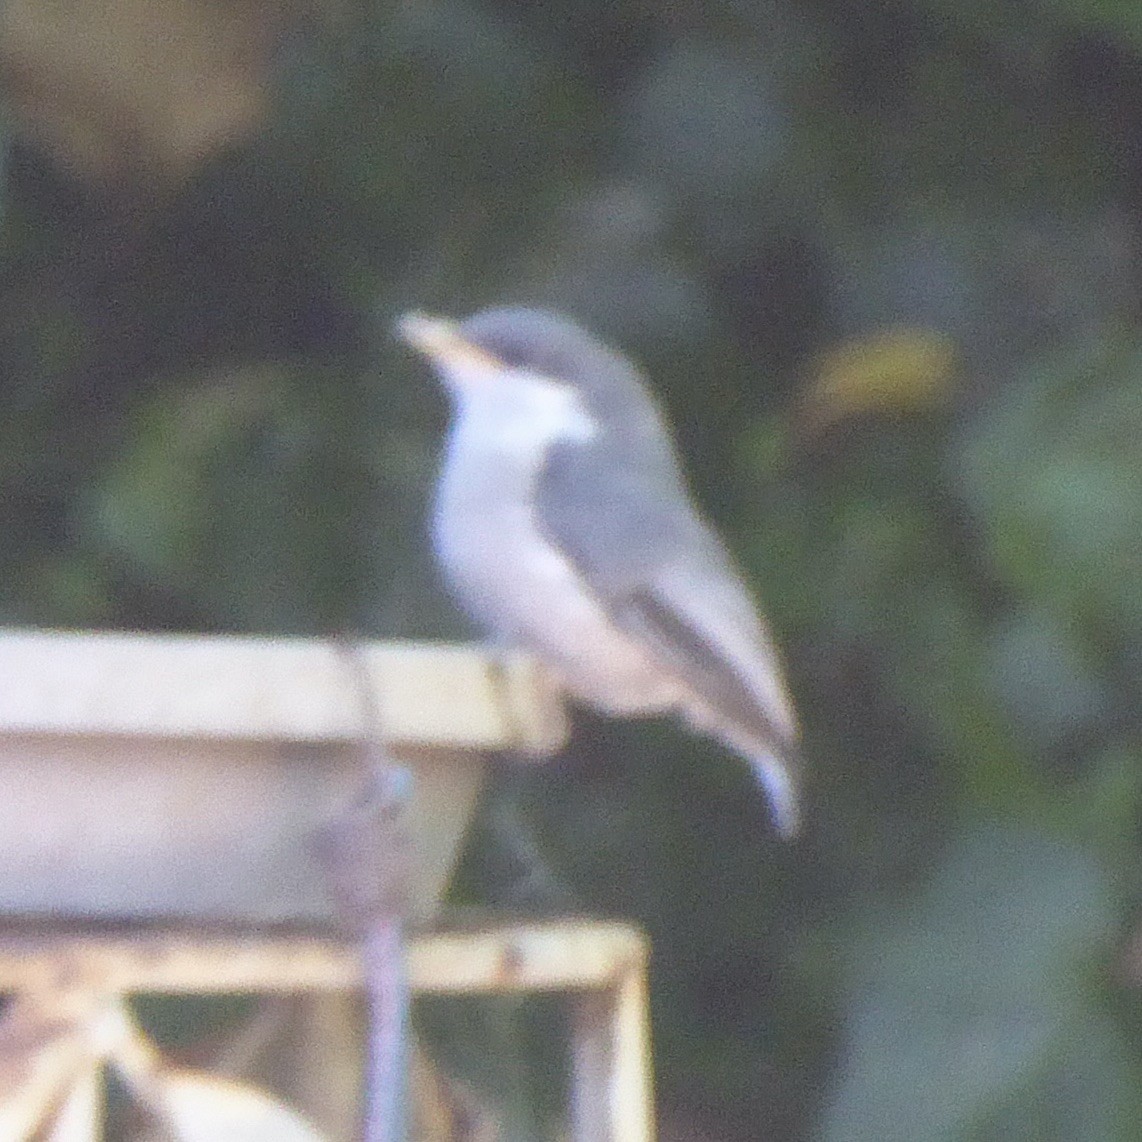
[(161, 795)]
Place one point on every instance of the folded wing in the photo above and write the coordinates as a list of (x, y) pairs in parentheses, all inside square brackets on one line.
[(624, 519)]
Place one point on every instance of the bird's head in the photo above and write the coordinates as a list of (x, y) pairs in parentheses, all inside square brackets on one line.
[(532, 357)]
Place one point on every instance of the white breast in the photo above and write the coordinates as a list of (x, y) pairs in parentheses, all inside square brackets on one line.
[(507, 574)]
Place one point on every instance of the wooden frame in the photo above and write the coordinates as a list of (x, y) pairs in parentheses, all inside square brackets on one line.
[(600, 966), (159, 795)]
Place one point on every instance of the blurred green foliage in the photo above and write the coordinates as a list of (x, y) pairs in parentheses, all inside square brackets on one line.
[(207, 426)]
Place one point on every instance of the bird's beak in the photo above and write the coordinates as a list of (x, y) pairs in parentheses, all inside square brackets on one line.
[(441, 342)]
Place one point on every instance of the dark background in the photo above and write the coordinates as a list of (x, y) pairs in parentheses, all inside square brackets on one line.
[(881, 261)]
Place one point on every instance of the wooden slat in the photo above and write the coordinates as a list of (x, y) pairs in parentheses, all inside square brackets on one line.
[(533, 957), (548, 957), (303, 690)]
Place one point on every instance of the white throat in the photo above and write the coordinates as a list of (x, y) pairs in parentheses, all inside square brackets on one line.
[(517, 413)]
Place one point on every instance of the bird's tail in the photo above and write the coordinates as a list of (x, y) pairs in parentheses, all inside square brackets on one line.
[(774, 765), (773, 775)]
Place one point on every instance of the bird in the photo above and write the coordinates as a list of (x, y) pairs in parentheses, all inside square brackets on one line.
[(564, 526)]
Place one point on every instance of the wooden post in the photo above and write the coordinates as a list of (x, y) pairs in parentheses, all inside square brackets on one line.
[(611, 1095)]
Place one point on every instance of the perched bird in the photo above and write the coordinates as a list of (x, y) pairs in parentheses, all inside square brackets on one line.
[(563, 522)]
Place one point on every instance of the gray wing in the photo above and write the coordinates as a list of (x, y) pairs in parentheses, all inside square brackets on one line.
[(622, 515)]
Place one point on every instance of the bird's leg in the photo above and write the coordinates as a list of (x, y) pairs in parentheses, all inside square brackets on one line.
[(499, 655), (529, 700), (509, 673), (531, 882)]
